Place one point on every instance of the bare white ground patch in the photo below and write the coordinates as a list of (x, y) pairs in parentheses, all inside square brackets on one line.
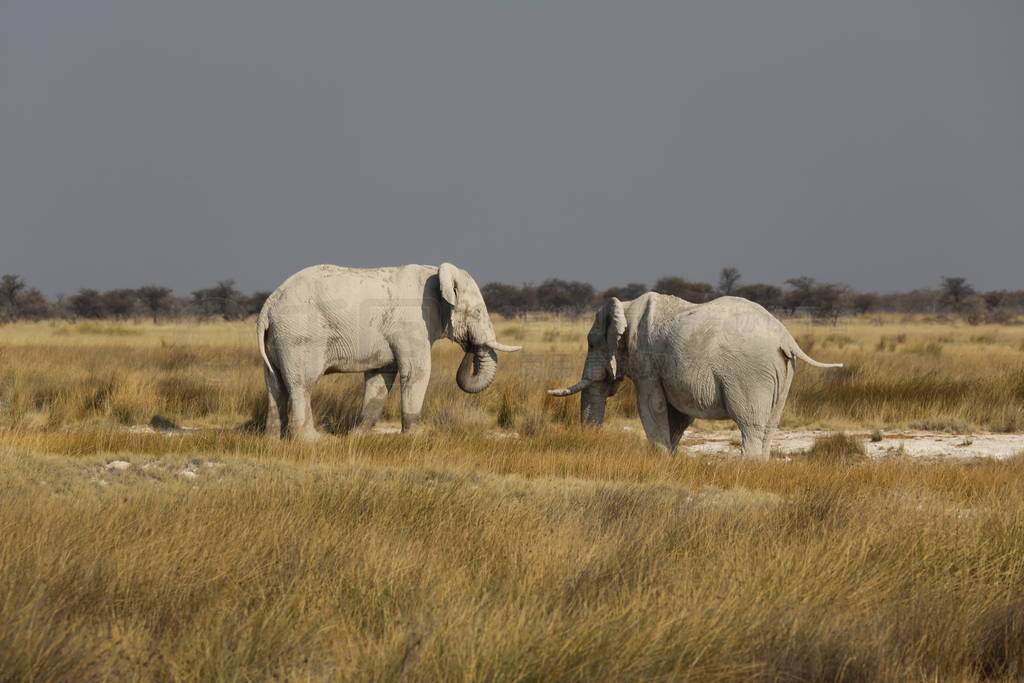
[(147, 429), (386, 429), (916, 444)]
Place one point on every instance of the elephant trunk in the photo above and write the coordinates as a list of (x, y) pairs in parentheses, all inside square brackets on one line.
[(477, 370), (592, 403)]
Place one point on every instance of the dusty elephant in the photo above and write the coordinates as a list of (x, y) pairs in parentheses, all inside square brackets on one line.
[(726, 359), (378, 321)]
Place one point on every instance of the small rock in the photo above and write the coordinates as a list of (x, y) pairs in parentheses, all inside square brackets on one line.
[(118, 465)]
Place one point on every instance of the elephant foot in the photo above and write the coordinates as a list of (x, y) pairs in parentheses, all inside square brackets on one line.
[(411, 424), (414, 431)]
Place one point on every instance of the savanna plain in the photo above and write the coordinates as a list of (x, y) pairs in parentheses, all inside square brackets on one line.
[(149, 531)]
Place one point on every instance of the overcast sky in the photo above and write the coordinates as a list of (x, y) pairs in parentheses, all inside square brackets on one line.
[(878, 143)]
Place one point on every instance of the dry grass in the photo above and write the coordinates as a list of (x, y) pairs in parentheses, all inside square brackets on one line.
[(386, 556), (471, 552), (898, 375)]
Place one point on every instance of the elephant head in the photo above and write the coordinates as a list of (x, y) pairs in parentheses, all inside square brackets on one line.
[(603, 368), (469, 325)]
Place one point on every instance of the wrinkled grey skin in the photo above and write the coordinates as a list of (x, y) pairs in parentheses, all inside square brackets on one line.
[(378, 321), (726, 359)]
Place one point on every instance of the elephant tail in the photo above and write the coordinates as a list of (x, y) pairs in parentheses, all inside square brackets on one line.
[(795, 353), (262, 330)]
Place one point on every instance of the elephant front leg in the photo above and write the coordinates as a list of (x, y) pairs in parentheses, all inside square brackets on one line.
[(415, 377), (653, 408), (377, 386)]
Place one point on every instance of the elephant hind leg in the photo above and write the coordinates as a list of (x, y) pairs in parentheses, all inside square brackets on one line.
[(301, 425), (756, 440), (785, 380), (677, 424), (277, 406), (377, 386), (752, 411), (300, 366)]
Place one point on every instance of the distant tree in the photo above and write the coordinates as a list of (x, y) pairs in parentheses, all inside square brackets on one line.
[(17, 302), (10, 288), (625, 292), (60, 308), (220, 300), (509, 300), (1000, 305), (864, 302), (768, 296), (695, 292), (120, 303), (565, 296), (1015, 300), (954, 291), (254, 302), (32, 305), (88, 303), (915, 301), (996, 299), (800, 294), (728, 280), (828, 302), (973, 309), (155, 300)]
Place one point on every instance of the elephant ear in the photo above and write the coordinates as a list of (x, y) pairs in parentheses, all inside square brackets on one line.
[(447, 274), (615, 319)]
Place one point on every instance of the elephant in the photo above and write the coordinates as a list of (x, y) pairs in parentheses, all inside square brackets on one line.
[(725, 359), (379, 321)]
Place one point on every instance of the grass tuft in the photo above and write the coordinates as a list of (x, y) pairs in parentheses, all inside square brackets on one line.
[(837, 449)]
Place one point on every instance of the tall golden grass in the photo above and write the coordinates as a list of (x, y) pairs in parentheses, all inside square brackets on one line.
[(898, 374), (387, 557), (503, 542)]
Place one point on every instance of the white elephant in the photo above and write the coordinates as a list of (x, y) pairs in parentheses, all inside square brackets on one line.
[(726, 359), (378, 321)]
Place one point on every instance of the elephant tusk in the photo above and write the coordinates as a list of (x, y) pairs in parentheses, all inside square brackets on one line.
[(574, 389), (502, 347)]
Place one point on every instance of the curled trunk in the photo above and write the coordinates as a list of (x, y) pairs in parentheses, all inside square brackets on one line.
[(477, 370)]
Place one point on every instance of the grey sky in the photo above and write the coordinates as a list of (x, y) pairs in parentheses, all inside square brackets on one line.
[(874, 142)]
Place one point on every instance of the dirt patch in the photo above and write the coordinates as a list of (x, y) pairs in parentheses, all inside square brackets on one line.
[(912, 443), (916, 444)]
